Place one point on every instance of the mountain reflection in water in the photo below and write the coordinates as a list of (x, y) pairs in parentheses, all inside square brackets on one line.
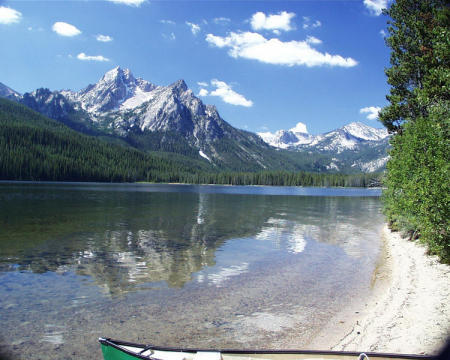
[(123, 240)]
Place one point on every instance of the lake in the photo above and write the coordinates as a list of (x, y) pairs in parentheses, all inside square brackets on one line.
[(179, 265)]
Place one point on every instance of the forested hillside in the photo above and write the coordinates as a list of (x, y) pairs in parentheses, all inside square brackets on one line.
[(33, 147), (417, 197)]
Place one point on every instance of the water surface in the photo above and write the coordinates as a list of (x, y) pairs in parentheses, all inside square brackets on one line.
[(178, 265)]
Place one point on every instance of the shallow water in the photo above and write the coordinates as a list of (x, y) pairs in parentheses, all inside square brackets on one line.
[(179, 265)]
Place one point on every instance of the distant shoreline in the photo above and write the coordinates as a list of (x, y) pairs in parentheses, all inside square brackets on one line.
[(409, 311), (175, 183)]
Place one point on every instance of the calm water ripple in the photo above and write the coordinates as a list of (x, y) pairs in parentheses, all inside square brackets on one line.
[(180, 265)]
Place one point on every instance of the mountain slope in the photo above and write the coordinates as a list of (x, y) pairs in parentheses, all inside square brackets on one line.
[(8, 93), (169, 119), (355, 146), (173, 122), (33, 147)]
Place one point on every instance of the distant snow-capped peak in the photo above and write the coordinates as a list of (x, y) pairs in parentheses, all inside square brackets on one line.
[(346, 137), (365, 132)]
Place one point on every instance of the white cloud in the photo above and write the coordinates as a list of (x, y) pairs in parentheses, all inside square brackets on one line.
[(202, 83), (9, 16), (203, 92), (228, 95), (104, 38), (254, 46), (375, 6), (194, 27), (281, 21), (65, 29), (221, 20), (383, 33), (84, 57), (372, 112), (313, 40), (307, 23), (168, 22), (136, 3)]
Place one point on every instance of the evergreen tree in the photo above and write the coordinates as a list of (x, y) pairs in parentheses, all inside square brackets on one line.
[(417, 34), (417, 197)]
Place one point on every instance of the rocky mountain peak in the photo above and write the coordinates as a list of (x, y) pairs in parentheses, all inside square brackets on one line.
[(179, 86), (365, 132), (8, 93), (347, 137), (117, 89), (118, 75)]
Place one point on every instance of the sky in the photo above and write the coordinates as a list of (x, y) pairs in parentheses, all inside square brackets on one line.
[(265, 65)]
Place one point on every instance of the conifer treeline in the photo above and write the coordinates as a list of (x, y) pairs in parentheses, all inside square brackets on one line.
[(284, 178), (417, 195), (33, 147)]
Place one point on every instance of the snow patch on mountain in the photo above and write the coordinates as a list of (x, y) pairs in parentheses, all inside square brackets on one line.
[(140, 96), (346, 138), (203, 155), (118, 89), (371, 166), (362, 131)]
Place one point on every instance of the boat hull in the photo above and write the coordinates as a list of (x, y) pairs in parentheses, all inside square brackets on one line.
[(121, 350)]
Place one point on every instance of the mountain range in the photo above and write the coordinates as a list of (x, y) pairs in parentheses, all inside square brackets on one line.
[(171, 120), (363, 144)]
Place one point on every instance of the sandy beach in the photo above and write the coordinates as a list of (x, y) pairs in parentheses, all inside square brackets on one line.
[(409, 311)]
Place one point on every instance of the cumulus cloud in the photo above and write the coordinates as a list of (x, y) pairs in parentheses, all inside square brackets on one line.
[(84, 57), (9, 16), (202, 83), (195, 28), (309, 24), (203, 92), (375, 6), (104, 38), (65, 29), (136, 3), (372, 112), (274, 22), (254, 46), (227, 94)]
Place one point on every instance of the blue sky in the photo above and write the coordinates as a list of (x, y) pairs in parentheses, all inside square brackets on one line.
[(266, 65)]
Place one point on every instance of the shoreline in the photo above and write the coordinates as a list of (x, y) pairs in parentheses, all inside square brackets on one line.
[(177, 183), (408, 312)]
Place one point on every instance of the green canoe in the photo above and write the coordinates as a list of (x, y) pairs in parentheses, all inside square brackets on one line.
[(122, 350)]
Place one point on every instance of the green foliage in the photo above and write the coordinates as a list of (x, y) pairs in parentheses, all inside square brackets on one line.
[(284, 178), (413, 44), (33, 147), (417, 196)]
